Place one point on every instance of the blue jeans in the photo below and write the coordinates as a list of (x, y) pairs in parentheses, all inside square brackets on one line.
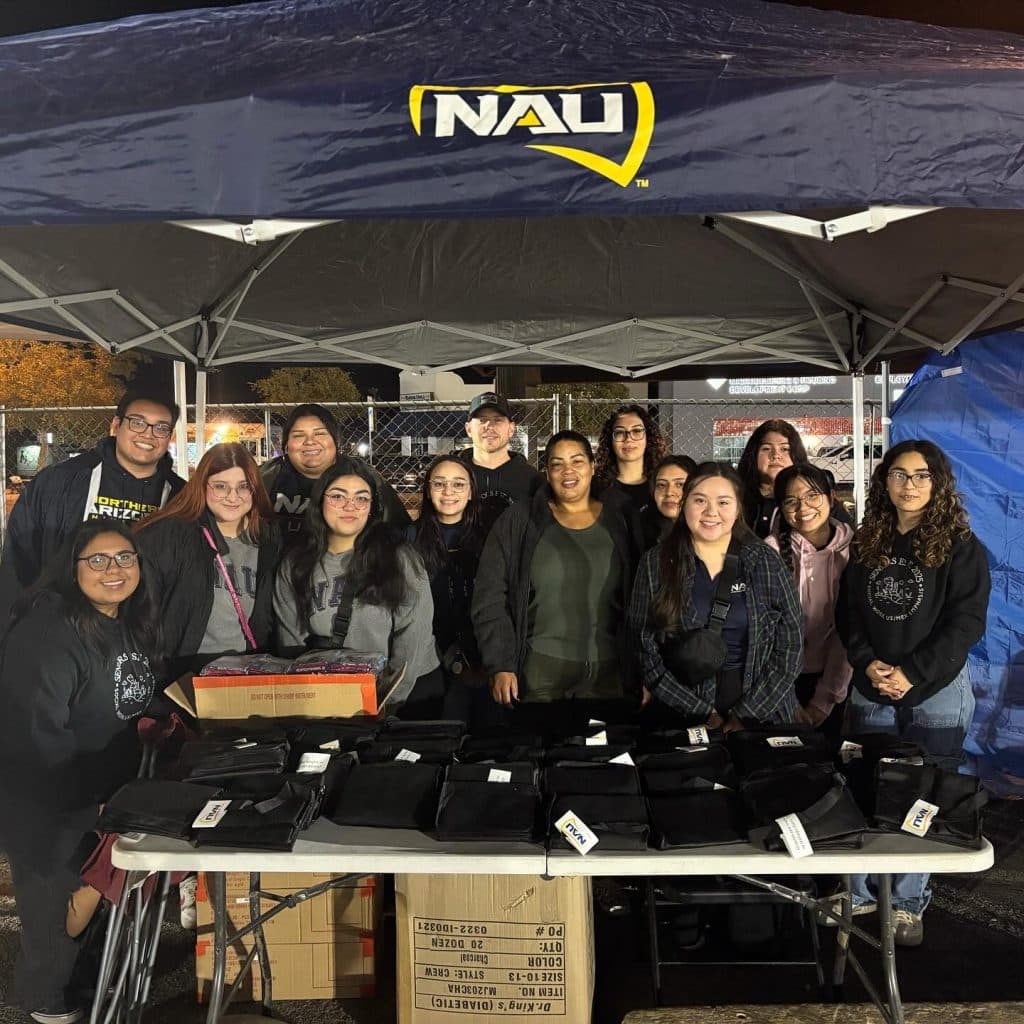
[(938, 726)]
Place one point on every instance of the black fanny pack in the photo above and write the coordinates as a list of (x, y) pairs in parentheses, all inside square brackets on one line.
[(694, 655)]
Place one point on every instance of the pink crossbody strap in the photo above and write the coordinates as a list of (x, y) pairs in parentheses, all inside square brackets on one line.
[(242, 620)]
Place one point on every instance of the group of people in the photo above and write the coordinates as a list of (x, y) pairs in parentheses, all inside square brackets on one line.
[(599, 578)]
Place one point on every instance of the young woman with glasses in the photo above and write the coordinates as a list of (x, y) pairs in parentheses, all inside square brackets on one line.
[(352, 582), (214, 550), (815, 548), (75, 675), (449, 536), (917, 591), (773, 446), (629, 448)]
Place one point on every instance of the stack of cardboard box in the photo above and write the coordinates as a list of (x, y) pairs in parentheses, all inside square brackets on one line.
[(323, 948)]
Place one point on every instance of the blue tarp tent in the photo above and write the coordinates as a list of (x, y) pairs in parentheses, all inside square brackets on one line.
[(631, 187), (970, 404)]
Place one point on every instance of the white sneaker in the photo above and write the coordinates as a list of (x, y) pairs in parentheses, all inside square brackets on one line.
[(187, 902), (58, 1016), (836, 906)]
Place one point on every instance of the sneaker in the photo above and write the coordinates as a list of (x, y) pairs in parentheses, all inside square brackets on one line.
[(836, 906), (908, 927), (57, 1016), (611, 897), (187, 902)]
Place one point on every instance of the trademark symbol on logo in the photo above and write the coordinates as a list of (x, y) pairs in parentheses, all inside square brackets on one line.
[(643, 182)]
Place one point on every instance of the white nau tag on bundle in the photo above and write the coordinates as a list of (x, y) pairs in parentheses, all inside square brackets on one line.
[(691, 750), (794, 837), (210, 815), (919, 818), (407, 755), (599, 739), (698, 736), (499, 775), (850, 751), (596, 723), (331, 745), (313, 764), (623, 759), (784, 741), (576, 833)]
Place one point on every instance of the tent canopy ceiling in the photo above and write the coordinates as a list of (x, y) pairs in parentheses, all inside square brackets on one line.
[(478, 213)]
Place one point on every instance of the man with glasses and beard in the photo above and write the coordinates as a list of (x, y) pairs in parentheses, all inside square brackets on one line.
[(126, 477)]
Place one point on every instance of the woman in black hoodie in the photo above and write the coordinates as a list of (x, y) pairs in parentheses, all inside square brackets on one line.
[(74, 677), (213, 551)]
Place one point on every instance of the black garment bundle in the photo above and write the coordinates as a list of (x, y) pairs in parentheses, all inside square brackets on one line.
[(619, 822), (398, 730), (860, 755), (330, 734), (433, 750), (392, 794), (568, 777), (508, 747), (597, 754), (816, 794), (217, 759), (959, 799), (489, 801), (155, 806), (690, 769), (660, 741), (697, 817), (755, 749), (268, 818)]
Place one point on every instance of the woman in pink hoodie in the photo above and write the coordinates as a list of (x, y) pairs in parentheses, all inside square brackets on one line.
[(815, 547)]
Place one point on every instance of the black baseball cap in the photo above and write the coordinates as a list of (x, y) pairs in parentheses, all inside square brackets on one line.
[(489, 400)]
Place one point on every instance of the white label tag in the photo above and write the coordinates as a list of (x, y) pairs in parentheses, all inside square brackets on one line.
[(691, 750), (576, 833), (599, 739), (331, 745), (210, 815), (850, 751), (919, 818), (313, 764), (916, 759), (718, 785), (785, 741), (407, 755), (244, 744), (499, 775), (698, 735), (623, 759), (794, 837), (596, 723)]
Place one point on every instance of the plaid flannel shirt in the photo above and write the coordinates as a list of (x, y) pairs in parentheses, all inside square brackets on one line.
[(774, 642)]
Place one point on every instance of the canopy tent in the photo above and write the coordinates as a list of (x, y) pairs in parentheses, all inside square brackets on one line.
[(478, 213)]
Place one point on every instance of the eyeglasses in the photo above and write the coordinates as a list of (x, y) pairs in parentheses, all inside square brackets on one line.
[(340, 499), (222, 491), (812, 499), (633, 433), (139, 425), (922, 478), (458, 486), (101, 563)]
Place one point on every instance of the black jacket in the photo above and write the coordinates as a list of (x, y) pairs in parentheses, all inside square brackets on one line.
[(183, 571), (67, 734), (498, 489), (53, 505), (501, 594), (289, 494)]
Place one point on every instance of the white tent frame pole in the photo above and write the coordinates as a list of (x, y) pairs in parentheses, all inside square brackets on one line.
[(990, 308), (859, 482), (921, 339), (122, 303), (181, 428), (874, 218), (926, 296), (886, 405), (200, 414), (979, 286), (157, 332), (812, 301), (52, 301)]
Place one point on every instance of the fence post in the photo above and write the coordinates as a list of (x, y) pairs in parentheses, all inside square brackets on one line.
[(568, 412), (556, 415), (3, 467), (369, 429), (266, 433)]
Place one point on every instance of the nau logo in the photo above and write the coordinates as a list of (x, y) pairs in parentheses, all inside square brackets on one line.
[(564, 116)]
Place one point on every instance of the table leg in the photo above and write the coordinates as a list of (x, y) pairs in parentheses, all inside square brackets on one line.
[(888, 949), (255, 910), (652, 936), (154, 924), (216, 885), (843, 933)]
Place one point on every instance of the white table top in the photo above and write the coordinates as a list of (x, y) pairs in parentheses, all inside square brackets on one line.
[(335, 848)]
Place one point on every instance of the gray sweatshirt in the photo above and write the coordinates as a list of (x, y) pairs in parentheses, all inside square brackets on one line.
[(405, 635)]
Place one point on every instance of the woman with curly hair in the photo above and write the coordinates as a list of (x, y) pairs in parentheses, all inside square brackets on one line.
[(917, 591), (630, 446), (773, 446), (815, 548)]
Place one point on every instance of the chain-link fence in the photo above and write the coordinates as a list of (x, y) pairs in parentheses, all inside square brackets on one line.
[(401, 438)]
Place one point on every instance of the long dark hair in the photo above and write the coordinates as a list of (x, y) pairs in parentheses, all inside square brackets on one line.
[(190, 503), (747, 467), (607, 468), (677, 561), (139, 614), (428, 539), (814, 477), (376, 567), (684, 462), (943, 522)]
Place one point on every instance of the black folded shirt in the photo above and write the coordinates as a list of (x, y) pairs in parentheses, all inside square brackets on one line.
[(619, 822), (765, 747), (392, 794), (269, 819), (497, 801), (691, 768), (223, 759), (428, 749), (155, 806), (695, 818), (568, 777)]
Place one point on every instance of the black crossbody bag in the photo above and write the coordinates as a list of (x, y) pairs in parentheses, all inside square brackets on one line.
[(694, 655), (342, 620)]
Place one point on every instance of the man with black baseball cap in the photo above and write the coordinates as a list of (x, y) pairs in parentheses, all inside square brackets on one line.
[(502, 477)]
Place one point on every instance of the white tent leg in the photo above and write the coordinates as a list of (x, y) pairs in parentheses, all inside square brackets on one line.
[(859, 482), (200, 414), (181, 431), (886, 397)]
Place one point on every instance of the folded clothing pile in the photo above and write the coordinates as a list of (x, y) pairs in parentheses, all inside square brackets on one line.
[(759, 748), (157, 807), (604, 796), (389, 794), (338, 661), (247, 665), (216, 759), (860, 755), (433, 742), (488, 801)]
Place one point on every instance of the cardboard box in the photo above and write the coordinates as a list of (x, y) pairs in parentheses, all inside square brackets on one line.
[(345, 913), (327, 970), (511, 948), (237, 882)]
